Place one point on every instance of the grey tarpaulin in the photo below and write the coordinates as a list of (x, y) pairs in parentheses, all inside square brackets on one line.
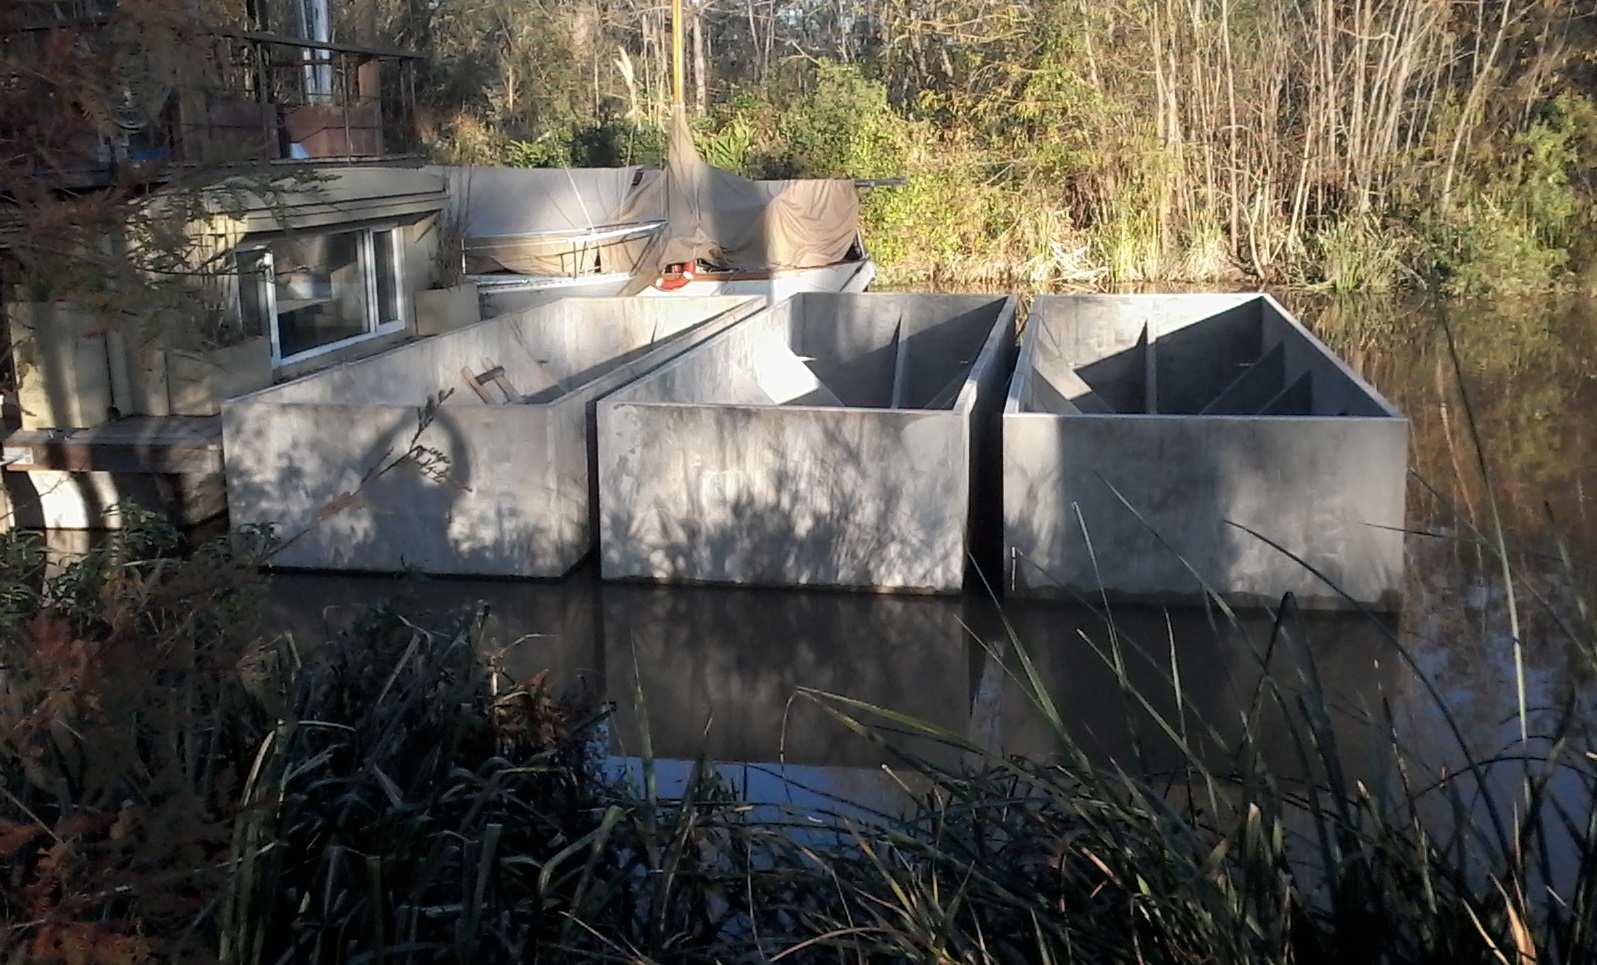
[(727, 221), (511, 219), (522, 219)]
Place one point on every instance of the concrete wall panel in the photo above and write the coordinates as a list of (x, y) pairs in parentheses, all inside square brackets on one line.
[(1157, 497), (1158, 506), (337, 462), (775, 496), (705, 476)]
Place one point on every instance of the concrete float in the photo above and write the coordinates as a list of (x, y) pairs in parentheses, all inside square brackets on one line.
[(833, 440), (361, 467), (1144, 436)]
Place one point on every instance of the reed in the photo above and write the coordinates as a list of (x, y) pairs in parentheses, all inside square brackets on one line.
[(179, 782)]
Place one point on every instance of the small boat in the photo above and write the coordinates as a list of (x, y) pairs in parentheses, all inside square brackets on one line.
[(529, 236)]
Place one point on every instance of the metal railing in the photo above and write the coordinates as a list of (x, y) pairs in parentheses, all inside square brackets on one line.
[(245, 96)]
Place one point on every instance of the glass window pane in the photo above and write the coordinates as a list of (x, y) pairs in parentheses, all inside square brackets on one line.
[(321, 290), (385, 250), (254, 308)]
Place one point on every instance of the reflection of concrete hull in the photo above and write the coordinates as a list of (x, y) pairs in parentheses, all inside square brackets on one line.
[(720, 669), (1218, 668), (532, 627)]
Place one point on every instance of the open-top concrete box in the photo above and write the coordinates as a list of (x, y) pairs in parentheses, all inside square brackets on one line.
[(831, 440), (355, 470), (1145, 435)]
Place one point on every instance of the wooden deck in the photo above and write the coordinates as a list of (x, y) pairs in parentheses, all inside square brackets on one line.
[(140, 444)]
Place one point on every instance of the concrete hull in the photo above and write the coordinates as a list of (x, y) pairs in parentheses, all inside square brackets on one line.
[(360, 472), (1166, 447), (831, 441)]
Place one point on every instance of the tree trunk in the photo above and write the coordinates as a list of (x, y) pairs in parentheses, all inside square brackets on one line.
[(701, 92)]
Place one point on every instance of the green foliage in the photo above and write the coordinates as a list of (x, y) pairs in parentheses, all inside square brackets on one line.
[(607, 144), (614, 143), (731, 146), (1485, 248), (1530, 215), (135, 690), (843, 127), (176, 791), (1359, 253), (548, 151), (408, 802)]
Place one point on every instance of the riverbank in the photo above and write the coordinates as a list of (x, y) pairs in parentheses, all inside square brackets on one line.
[(184, 782), (197, 764)]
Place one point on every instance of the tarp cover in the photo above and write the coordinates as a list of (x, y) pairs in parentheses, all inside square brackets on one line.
[(508, 217), (726, 221)]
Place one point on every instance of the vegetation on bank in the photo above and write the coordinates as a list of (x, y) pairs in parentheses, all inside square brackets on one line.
[(181, 782), (1346, 146)]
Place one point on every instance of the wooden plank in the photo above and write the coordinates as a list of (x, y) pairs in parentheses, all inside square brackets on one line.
[(476, 386), (173, 444), (494, 373)]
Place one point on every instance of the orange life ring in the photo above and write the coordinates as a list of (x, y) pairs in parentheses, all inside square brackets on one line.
[(675, 277)]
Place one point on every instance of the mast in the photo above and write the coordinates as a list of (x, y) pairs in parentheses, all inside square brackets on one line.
[(678, 76)]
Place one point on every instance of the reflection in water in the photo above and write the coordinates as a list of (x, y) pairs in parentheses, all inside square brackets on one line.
[(1530, 370), (720, 670)]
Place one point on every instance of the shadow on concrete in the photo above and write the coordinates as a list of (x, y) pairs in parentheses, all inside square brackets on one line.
[(1141, 445), (835, 441), (832, 519)]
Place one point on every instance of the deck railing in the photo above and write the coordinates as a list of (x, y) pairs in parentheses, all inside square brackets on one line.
[(246, 96)]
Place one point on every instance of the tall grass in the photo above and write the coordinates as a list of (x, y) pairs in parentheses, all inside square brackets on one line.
[(179, 785)]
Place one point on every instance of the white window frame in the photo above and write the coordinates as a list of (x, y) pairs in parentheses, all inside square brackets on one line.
[(376, 326)]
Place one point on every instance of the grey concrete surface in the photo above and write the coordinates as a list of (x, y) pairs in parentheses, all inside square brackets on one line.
[(784, 452), (1145, 435), (341, 462), (58, 500)]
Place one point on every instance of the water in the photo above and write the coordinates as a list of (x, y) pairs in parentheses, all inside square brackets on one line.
[(737, 675), (1529, 368)]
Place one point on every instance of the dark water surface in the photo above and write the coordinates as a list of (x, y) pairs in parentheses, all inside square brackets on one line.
[(723, 672)]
